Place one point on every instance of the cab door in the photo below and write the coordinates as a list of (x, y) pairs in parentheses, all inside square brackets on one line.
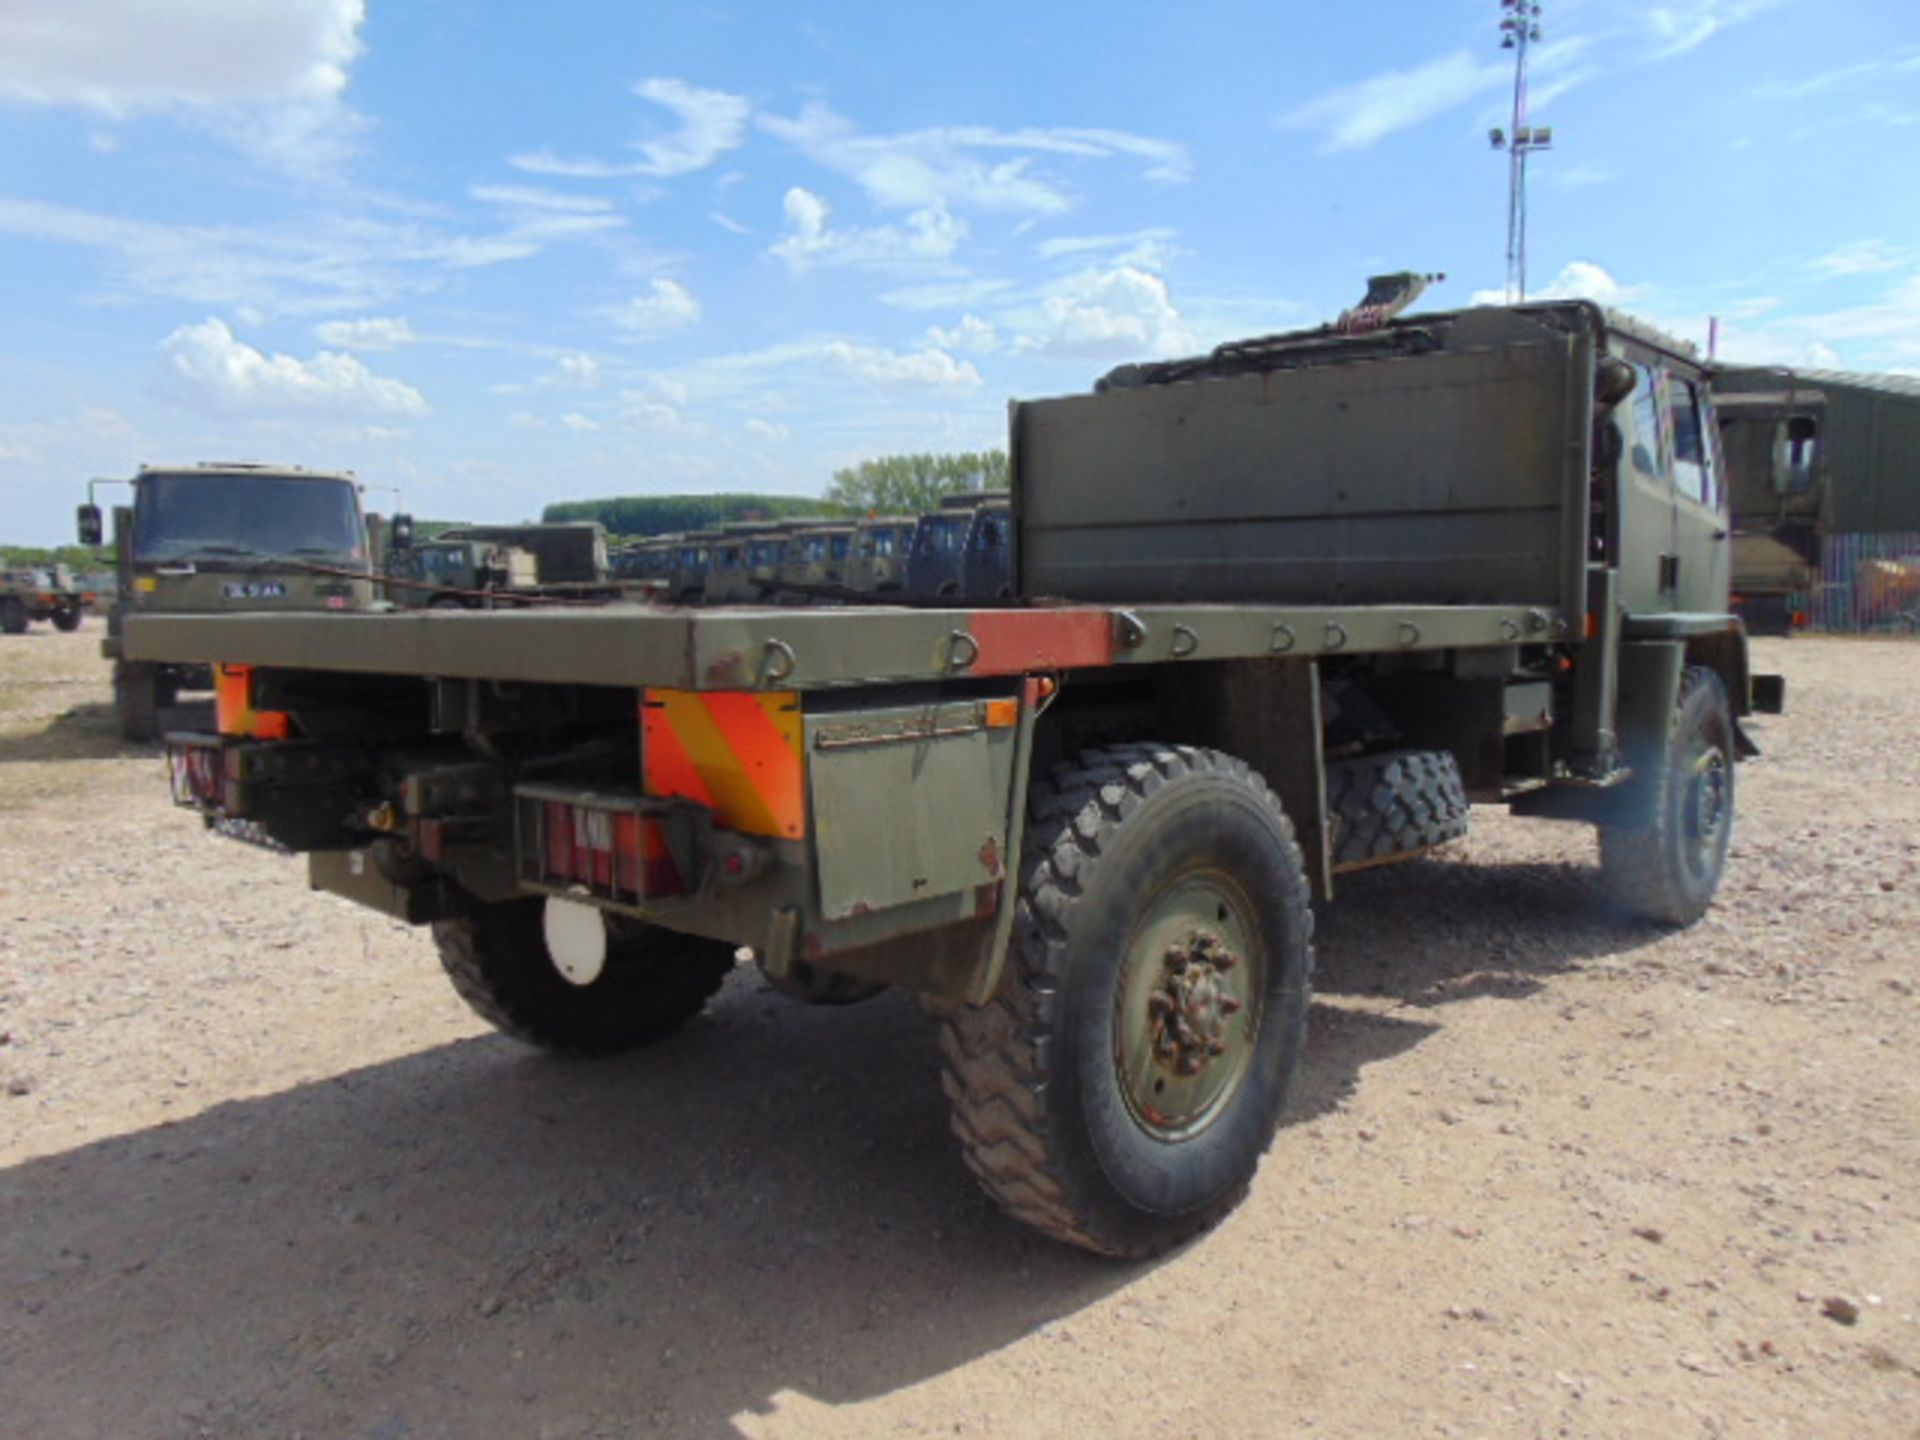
[(1701, 529)]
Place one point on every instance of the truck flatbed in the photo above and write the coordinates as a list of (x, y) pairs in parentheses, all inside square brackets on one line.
[(771, 647)]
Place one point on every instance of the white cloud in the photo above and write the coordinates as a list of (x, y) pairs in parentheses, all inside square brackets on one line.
[(1577, 280), (915, 369), (712, 122), (577, 369), (208, 368), (770, 430), (545, 162), (268, 77), (972, 335), (532, 197), (120, 56), (1101, 314), (89, 431), (728, 223), (575, 420), (376, 333), (646, 411), (1678, 27), (1355, 116), (928, 235), (668, 307), (1863, 257), (1134, 245), (945, 166), (526, 420), (946, 295)]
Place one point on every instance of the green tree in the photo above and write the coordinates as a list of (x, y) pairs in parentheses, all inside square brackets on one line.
[(629, 515), (910, 484)]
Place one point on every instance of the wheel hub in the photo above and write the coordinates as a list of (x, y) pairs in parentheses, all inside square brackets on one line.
[(1192, 1003)]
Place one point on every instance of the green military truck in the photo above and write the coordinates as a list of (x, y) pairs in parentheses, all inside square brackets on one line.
[(44, 592), (464, 574), (744, 562), (881, 544), (1811, 454), (1309, 597), (815, 563), (217, 538)]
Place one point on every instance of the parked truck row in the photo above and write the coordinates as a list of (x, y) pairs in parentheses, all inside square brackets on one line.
[(1275, 613)]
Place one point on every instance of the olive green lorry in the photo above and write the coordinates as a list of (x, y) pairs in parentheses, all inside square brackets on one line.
[(1282, 611), (1811, 454), (39, 592), (218, 538)]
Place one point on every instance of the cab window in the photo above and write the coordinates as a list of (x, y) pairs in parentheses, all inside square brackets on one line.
[(1692, 471), (1643, 446)]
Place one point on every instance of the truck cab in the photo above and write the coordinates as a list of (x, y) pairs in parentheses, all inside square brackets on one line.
[(223, 537), (937, 563), (881, 545)]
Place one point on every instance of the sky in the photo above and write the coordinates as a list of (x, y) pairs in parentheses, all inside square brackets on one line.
[(494, 256)]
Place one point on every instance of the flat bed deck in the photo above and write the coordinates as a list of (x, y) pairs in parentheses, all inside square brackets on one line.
[(801, 649)]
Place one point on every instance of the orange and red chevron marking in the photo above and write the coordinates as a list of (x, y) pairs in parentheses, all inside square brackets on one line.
[(737, 753)]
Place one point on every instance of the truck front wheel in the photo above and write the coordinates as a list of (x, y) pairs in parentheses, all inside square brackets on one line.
[(1120, 1089), (652, 982), (13, 615), (67, 618), (1665, 866), (140, 691)]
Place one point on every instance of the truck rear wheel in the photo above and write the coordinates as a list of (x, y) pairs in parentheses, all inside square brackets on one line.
[(1120, 1089), (140, 692), (1666, 865), (67, 619), (653, 981), (1389, 806)]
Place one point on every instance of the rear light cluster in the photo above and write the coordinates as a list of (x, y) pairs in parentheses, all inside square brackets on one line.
[(203, 774), (604, 843)]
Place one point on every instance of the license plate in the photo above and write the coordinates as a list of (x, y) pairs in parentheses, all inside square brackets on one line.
[(254, 590)]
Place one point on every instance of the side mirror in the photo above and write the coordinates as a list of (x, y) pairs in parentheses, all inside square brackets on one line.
[(400, 532), (91, 532)]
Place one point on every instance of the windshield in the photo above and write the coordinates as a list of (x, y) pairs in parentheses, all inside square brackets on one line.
[(942, 534), (195, 514)]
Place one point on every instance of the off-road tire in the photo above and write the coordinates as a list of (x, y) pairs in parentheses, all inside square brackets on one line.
[(653, 983), (67, 620), (1395, 804), (1665, 866), (13, 615), (1032, 1076), (140, 693)]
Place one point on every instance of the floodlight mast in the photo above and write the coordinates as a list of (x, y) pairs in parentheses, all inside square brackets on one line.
[(1519, 29)]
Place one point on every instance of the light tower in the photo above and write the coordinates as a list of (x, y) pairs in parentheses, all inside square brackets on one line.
[(1519, 29)]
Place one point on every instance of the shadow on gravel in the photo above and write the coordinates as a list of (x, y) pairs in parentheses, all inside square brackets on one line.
[(86, 732), (477, 1240), (1435, 931)]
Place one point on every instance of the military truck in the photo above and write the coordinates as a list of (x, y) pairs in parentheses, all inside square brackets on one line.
[(216, 538), (46, 592), (881, 544), (744, 562), (692, 559), (814, 566), (986, 566), (936, 566), (462, 574), (567, 553), (1811, 453), (1315, 594)]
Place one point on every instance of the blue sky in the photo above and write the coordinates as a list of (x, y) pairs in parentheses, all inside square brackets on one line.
[(499, 255)]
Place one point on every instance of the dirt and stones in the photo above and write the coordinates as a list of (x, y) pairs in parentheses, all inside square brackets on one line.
[(1545, 1174)]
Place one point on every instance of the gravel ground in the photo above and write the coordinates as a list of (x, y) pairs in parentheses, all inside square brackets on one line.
[(1546, 1173)]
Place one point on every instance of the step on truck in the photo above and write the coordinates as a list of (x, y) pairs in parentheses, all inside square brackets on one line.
[(218, 538), (1283, 611)]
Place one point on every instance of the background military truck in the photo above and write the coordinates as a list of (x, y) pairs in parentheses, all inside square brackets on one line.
[(816, 559), (1322, 592), (465, 574), (692, 559), (881, 544), (44, 592), (744, 562), (567, 553), (1810, 454), (936, 566), (986, 569), (219, 537)]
